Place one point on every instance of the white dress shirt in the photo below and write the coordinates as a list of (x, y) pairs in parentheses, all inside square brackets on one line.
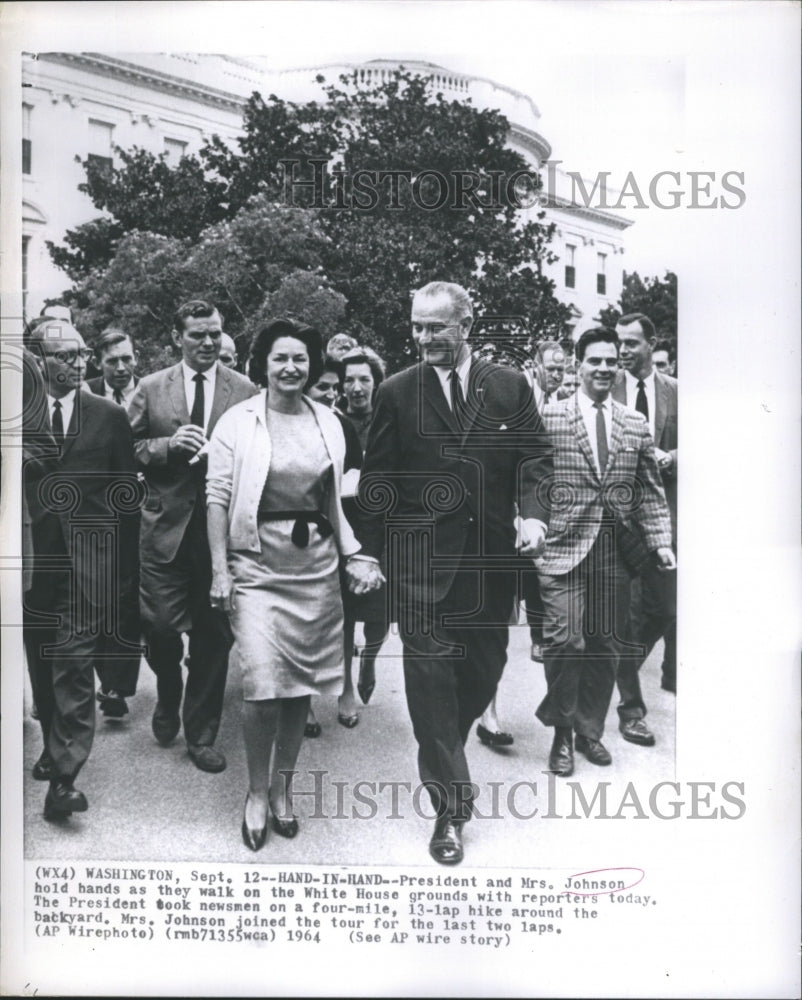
[(67, 404), (588, 410), (127, 393), (648, 388), (210, 379), (444, 374)]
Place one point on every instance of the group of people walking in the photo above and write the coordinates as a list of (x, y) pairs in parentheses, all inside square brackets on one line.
[(265, 516)]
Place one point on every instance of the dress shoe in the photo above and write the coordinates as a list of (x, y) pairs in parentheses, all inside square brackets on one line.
[(594, 750), (284, 827), (206, 758), (495, 738), (62, 800), (537, 652), (446, 843), (43, 769), (253, 839), (561, 758), (112, 704), (636, 731), (367, 679), (312, 730), (349, 721), (165, 725)]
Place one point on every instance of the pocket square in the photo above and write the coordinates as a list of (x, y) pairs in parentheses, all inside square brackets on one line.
[(503, 427)]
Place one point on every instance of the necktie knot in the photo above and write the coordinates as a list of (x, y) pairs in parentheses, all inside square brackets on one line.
[(56, 405), (198, 377), (641, 384)]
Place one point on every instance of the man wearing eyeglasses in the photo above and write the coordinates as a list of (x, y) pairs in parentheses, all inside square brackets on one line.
[(84, 543), (454, 444)]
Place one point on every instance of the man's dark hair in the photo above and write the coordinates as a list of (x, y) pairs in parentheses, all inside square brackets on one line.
[(667, 346), (265, 338), (110, 337), (646, 324), (596, 335), (194, 309)]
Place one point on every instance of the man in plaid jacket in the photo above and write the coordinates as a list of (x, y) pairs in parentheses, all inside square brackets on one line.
[(608, 518)]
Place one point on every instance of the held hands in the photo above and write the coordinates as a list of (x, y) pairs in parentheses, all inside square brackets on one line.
[(666, 560), (531, 541), (221, 593), (186, 441), (363, 576)]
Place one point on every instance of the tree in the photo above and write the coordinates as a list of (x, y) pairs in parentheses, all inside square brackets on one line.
[(264, 263), (411, 148), (655, 297)]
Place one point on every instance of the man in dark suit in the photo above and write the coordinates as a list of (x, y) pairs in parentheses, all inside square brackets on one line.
[(608, 517), (82, 510), (117, 359), (118, 675), (454, 443), (653, 614), (172, 414)]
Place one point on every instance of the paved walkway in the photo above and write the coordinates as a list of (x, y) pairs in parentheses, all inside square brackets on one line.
[(150, 803)]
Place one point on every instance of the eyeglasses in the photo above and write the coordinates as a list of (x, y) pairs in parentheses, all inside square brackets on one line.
[(419, 329), (70, 357)]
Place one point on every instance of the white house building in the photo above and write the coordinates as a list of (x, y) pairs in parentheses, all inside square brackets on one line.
[(83, 104)]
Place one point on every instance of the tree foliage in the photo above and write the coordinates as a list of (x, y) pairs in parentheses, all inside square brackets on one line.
[(655, 297), (286, 205)]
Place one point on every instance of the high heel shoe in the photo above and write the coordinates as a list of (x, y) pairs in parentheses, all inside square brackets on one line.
[(253, 839), (284, 827), (367, 678)]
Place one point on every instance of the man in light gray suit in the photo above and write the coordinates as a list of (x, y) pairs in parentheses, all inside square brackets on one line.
[(173, 414), (653, 613)]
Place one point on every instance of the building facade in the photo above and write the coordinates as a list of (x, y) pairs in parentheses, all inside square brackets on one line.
[(80, 105)]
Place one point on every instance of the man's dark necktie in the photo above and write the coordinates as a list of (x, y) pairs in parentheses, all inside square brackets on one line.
[(118, 396), (198, 404), (641, 403), (58, 424), (457, 397), (601, 437)]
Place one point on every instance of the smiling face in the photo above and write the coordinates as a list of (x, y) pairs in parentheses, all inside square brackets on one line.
[(325, 390), (287, 366), (597, 370), (118, 363), (199, 341), (358, 387), (636, 349), (440, 330)]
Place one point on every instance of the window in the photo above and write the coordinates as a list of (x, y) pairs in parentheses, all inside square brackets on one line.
[(570, 270), (101, 143), (26, 138), (174, 149), (601, 273), (26, 242)]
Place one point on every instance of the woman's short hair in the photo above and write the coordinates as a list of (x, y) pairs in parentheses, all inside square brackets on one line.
[(264, 339), (365, 356)]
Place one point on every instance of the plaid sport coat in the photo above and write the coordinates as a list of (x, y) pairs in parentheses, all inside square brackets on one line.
[(630, 490)]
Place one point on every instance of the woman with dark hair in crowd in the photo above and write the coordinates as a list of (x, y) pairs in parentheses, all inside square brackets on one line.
[(277, 534), (363, 373)]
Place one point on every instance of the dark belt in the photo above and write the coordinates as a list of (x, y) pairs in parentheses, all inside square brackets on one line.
[(302, 518)]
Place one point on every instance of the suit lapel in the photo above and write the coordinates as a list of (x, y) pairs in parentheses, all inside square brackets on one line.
[(178, 397), (434, 398), (74, 429), (222, 390), (616, 435), (577, 424), (660, 406)]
